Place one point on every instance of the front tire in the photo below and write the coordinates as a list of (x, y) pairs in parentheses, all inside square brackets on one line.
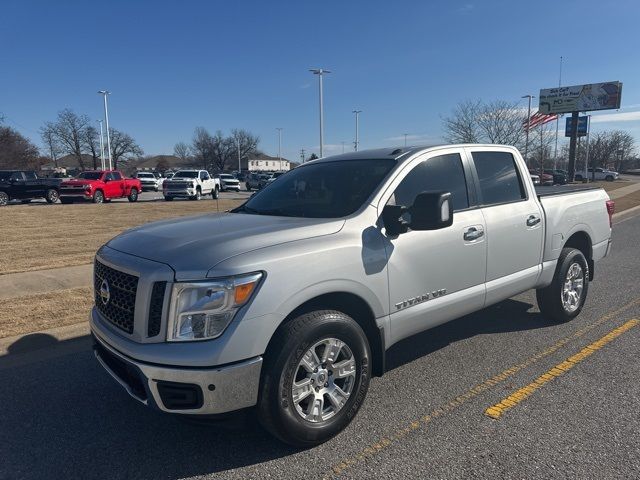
[(564, 298), (315, 378), (4, 199), (609, 178), (133, 195), (215, 193), (52, 195), (98, 197)]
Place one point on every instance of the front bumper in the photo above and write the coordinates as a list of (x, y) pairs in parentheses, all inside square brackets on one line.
[(181, 390), (181, 192)]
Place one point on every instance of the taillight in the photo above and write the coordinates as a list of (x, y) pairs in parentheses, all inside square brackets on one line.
[(611, 208)]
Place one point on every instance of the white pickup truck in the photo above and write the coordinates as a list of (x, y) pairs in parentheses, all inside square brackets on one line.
[(191, 184), (290, 302)]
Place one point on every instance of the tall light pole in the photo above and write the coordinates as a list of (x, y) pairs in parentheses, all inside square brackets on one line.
[(104, 94), (101, 144), (526, 144), (405, 139), (357, 142), (320, 72), (239, 162), (279, 129)]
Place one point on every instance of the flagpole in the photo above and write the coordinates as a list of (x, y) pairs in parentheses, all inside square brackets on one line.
[(555, 153)]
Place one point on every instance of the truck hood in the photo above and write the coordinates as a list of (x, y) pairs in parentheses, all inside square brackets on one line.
[(73, 183), (194, 245)]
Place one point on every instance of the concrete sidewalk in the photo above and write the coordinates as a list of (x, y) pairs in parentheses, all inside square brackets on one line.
[(44, 281)]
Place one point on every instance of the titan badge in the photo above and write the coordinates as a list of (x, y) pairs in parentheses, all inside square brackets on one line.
[(409, 302)]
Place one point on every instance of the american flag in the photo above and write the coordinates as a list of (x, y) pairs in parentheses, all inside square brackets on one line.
[(538, 119)]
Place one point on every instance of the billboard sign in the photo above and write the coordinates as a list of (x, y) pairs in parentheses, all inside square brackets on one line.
[(582, 126), (580, 98)]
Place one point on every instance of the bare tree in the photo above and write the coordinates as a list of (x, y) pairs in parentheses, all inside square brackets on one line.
[(16, 151), (123, 147), (609, 148), (462, 125), (92, 144), (476, 122), (202, 146), (246, 142), (70, 131), (183, 152), (217, 152), (51, 142)]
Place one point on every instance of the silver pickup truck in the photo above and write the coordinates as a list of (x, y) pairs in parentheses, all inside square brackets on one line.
[(289, 302)]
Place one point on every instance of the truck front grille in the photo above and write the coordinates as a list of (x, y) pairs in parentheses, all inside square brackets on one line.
[(179, 185), (115, 295)]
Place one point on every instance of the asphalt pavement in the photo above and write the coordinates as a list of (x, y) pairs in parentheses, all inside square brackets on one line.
[(63, 417)]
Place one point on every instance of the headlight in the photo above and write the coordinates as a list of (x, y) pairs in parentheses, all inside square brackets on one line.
[(203, 310)]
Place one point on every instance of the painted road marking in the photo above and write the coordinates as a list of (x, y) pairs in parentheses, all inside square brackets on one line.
[(396, 436), (523, 393)]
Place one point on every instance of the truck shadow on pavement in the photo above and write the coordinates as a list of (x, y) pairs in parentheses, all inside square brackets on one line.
[(64, 417)]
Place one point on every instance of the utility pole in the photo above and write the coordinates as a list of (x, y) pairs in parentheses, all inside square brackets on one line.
[(526, 144), (357, 142), (586, 160), (555, 153), (405, 139), (279, 129), (239, 162), (302, 154), (320, 72), (101, 145), (571, 168), (104, 94)]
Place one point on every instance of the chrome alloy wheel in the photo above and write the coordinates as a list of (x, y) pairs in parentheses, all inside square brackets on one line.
[(324, 380), (572, 288)]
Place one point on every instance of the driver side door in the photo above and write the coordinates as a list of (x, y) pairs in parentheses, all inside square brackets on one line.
[(436, 275)]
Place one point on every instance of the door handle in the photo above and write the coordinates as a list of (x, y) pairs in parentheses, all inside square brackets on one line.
[(533, 220), (473, 233)]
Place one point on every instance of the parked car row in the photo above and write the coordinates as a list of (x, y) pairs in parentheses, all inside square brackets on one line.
[(600, 174)]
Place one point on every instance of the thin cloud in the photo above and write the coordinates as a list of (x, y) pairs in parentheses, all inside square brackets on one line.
[(465, 9), (304, 86), (616, 117)]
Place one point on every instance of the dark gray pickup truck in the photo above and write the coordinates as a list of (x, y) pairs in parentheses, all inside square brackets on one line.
[(25, 185)]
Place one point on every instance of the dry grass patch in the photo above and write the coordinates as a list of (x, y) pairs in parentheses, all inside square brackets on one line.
[(627, 202), (38, 237), (33, 313)]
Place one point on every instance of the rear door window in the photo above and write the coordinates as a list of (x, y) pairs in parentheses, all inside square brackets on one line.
[(499, 178)]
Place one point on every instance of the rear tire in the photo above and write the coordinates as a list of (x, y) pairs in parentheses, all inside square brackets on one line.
[(248, 188), (609, 178), (564, 298), (133, 195), (326, 399), (215, 193), (98, 197), (51, 196), (4, 199)]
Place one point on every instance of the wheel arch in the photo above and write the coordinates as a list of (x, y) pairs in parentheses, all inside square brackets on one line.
[(581, 240), (355, 307)]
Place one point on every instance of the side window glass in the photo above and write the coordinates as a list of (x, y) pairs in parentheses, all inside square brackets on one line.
[(16, 176), (30, 175), (108, 176), (443, 173), (499, 178), (116, 176)]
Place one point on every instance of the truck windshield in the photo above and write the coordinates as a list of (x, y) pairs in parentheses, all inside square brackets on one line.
[(185, 174), (321, 190), (90, 175)]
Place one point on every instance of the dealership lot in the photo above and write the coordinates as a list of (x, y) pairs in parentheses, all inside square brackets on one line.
[(63, 416)]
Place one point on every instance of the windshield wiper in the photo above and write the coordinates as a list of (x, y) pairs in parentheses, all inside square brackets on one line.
[(244, 209)]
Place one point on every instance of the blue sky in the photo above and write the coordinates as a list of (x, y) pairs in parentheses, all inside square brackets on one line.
[(172, 66)]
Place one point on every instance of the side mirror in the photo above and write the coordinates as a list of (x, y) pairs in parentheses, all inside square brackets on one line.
[(431, 211)]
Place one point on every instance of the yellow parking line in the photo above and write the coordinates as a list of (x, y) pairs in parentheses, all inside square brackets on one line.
[(518, 396), (473, 392)]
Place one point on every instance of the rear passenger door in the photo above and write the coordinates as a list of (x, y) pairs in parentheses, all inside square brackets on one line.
[(436, 275), (18, 185), (513, 223)]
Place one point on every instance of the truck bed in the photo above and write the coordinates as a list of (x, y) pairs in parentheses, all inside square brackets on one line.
[(542, 191)]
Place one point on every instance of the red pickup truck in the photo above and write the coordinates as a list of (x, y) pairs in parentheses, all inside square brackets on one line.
[(100, 186)]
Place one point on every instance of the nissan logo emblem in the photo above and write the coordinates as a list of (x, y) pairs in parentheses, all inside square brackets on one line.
[(105, 294)]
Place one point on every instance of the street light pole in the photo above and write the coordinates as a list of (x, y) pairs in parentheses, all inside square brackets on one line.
[(405, 139), (279, 129), (104, 94), (101, 144), (239, 162), (357, 142), (320, 72), (526, 144)]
